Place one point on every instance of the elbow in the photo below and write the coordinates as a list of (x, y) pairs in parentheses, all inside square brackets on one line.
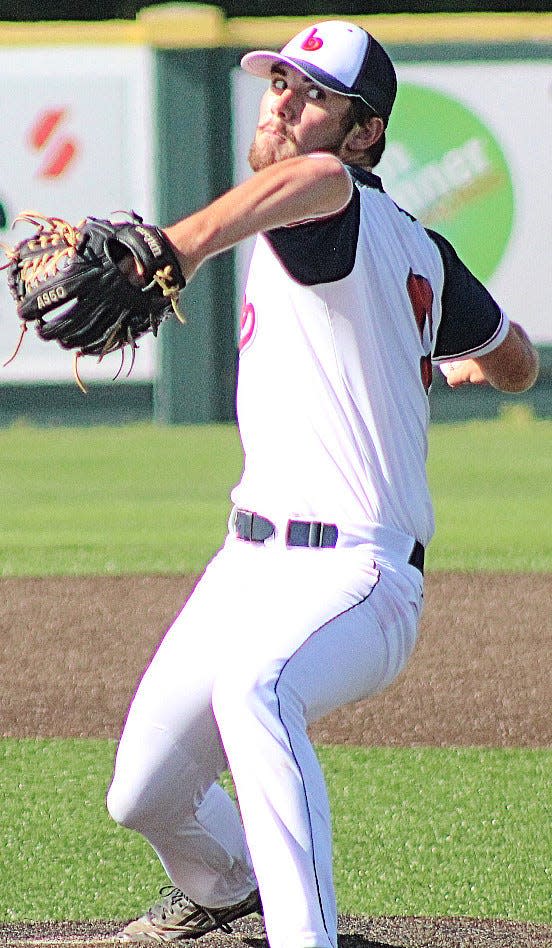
[(527, 375), (520, 377), (527, 365), (526, 370), (514, 366)]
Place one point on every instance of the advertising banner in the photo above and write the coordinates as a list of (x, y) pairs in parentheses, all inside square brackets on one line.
[(468, 153), (76, 140)]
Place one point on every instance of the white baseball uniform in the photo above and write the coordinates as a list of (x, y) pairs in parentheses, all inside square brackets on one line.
[(341, 320)]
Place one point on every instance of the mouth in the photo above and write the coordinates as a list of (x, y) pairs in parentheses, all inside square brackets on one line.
[(274, 132)]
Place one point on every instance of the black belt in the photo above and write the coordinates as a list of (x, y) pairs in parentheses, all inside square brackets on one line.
[(305, 533), (417, 556)]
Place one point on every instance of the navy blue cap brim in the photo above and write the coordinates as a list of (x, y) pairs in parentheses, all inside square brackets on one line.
[(260, 62)]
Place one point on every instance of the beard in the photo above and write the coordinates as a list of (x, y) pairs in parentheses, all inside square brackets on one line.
[(267, 149)]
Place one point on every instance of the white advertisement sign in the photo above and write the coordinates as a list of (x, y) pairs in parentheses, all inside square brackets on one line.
[(468, 153), (76, 140)]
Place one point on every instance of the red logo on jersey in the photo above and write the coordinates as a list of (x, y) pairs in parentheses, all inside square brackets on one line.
[(248, 324), (421, 297), (312, 42)]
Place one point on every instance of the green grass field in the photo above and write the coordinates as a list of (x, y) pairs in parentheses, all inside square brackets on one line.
[(156, 500), (427, 831), (417, 832)]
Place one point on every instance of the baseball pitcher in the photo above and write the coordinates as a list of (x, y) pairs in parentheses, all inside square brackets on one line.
[(315, 598)]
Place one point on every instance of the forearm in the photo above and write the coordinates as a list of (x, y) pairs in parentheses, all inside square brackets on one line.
[(511, 367), (288, 191)]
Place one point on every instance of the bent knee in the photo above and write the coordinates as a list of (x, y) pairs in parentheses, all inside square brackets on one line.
[(131, 809), (119, 806)]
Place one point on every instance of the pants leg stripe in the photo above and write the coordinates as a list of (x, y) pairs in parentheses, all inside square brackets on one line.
[(293, 753)]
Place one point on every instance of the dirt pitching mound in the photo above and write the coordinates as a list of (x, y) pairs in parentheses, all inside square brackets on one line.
[(479, 675), (353, 933)]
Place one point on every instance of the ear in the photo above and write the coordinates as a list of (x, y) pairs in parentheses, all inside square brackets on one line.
[(362, 137)]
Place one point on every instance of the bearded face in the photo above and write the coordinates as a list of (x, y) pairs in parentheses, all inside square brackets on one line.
[(298, 117)]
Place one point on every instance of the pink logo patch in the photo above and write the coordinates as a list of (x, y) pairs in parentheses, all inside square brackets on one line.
[(248, 324), (312, 42)]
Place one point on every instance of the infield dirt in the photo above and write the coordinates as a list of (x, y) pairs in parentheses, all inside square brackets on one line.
[(479, 676)]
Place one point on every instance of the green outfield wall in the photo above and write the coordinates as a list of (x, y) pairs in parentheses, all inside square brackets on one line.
[(192, 109)]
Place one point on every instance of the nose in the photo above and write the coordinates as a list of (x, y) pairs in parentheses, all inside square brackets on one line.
[(286, 105)]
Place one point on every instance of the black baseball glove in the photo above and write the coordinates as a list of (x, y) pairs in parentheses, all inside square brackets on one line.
[(96, 287)]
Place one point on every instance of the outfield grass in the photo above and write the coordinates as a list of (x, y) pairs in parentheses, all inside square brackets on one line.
[(490, 483), (137, 499), (417, 832), (156, 499)]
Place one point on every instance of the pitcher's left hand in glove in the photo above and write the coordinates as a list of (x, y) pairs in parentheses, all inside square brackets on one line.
[(96, 287)]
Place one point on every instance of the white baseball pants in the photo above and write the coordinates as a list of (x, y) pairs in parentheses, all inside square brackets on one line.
[(270, 640)]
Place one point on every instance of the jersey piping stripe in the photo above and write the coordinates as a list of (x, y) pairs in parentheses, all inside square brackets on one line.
[(293, 754)]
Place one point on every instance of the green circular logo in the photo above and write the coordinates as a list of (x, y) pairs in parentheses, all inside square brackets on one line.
[(443, 165)]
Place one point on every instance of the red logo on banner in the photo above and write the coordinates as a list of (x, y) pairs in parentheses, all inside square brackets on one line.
[(312, 41), (47, 135), (248, 324)]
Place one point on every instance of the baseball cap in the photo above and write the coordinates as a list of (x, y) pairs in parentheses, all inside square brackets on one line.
[(339, 56)]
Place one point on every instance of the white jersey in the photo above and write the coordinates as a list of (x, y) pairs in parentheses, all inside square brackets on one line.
[(341, 320)]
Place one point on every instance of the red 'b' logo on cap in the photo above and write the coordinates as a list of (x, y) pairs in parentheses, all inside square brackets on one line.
[(312, 42)]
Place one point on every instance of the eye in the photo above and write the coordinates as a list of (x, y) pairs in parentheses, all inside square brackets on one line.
[(278, 83), (315, 92)]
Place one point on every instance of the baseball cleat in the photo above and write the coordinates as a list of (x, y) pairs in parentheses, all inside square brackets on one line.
[(177, 918)]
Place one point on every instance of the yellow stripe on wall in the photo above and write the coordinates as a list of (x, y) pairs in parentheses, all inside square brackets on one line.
[(183, 25), (58, 33), (168, 26), (399, 28)]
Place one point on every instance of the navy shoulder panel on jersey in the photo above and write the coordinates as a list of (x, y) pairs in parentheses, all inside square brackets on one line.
[(470, 316), (319, 251), (367, 178), (323, 251)]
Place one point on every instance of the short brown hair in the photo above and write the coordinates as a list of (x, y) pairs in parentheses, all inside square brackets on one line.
[(362, 114)]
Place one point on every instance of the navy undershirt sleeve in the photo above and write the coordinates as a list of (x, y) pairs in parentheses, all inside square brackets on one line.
[(470, 318), (319, 251)]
